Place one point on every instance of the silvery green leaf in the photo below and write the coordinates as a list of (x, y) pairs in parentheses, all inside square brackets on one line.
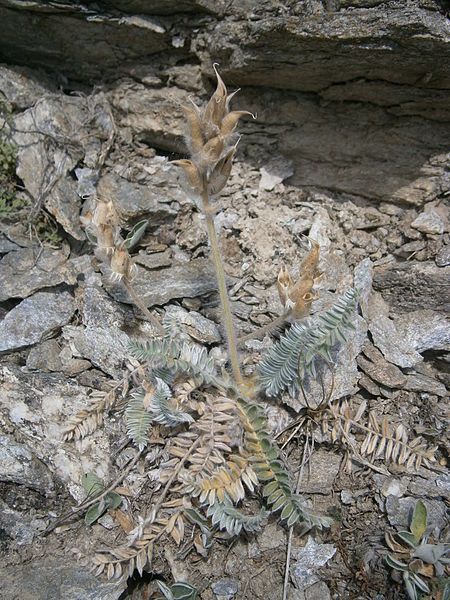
[(92, 484), (94, 513), (113, 500), (183, 591), (91, 237), (408, 537), (419, 520), (395, 564), (430, 553), (420, 583), (165, 590), (136, 234), (410, 587)]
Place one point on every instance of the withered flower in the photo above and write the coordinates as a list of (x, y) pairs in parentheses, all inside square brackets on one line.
[(122, 266), (191, 175), (105, 213), (298, 296), (284, 284), (105, 238), (212, 142)]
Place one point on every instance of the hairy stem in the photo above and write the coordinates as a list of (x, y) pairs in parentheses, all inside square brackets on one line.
[(223, 293), (276, 324), (138, 302)]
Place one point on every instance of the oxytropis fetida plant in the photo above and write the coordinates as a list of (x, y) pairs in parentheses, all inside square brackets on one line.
[(203, 424)]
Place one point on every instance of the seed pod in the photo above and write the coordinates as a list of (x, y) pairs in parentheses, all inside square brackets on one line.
[(300, 298), (310, 264), (216, 107), (191, 173), (221, 173), (105, 238), (122, 266), (230, 121), (105, 213), (211, 152), (284, 284), (195, 136)]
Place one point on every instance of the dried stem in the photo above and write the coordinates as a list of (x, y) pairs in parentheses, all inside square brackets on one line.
[(138, 302), (305, 459), (175, 473), (90, 501), (223, 293), (271, 327)]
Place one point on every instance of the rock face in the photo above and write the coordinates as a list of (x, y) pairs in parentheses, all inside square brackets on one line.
[(18, 465), (355, 93), (29, 269), (34, 318), (58, 580), (412, 285), (179, 281)]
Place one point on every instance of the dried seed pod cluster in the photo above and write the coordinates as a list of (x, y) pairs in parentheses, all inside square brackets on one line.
[(103, 228), (298, 296), (211, 141)]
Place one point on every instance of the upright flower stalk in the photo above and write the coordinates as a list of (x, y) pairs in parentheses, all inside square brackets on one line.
[(212, 142)]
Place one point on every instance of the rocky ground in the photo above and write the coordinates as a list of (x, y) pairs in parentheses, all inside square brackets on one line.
[(350, 147)]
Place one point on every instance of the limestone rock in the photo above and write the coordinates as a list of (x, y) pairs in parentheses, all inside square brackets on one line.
[(52, 137), (29, 269), (134, 201), (181, 280), (128, 37), (378, 369), (422, 383), (104, 347), (429, 222), (200, 328), (308, 560), (39, 406), (225, 589), (18, 464), (155, 260), (388, 337), (7, 245), (34, 319), (423, 330), (324, 469), (412, 285), (22, 87), (274, 172), (45, 356), (54, 579), (442, 258)]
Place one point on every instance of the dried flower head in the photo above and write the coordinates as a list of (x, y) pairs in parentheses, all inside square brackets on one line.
[(284, 284), (105, 238), (105, 213), (298, 296), (211, 140), (191, 177), (122, 266)]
